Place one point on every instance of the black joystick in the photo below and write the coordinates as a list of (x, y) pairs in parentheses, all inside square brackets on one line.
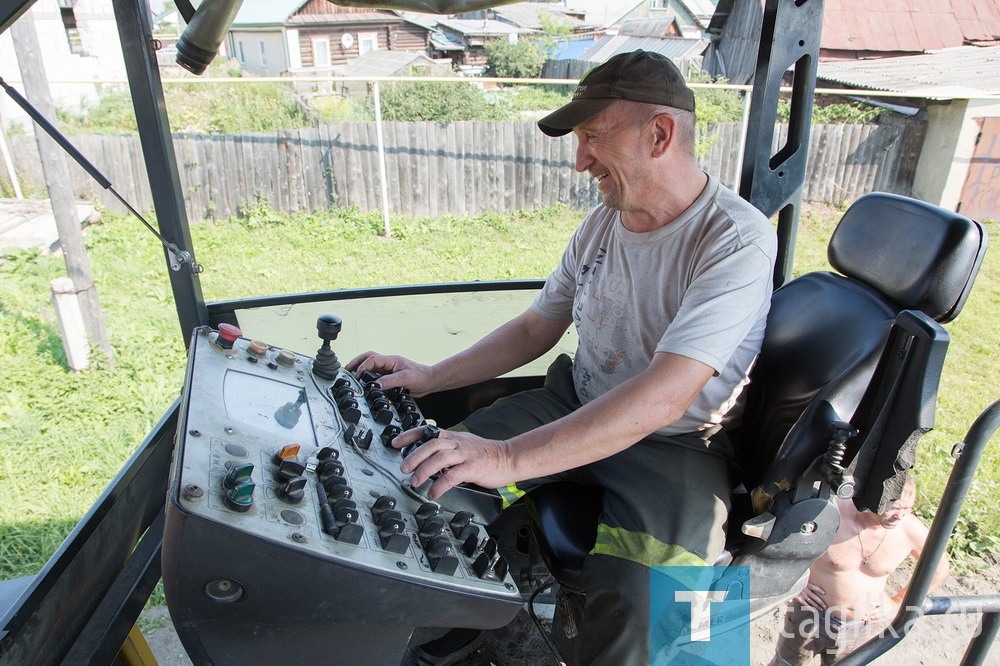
[(325, 365)]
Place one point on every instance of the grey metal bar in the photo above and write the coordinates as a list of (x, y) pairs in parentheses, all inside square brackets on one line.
[(11, 10), (789, 38), (979, 646), (132, 17), (982, 603)]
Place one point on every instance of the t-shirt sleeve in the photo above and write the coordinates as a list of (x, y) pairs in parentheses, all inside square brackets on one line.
[(721, 307), (555, 300)]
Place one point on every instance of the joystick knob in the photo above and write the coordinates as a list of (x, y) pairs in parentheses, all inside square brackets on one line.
[(329, 326), (326, 365)]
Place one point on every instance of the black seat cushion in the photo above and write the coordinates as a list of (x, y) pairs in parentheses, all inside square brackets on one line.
[(917, 254)]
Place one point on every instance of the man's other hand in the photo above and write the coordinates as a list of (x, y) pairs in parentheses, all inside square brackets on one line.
[(461, 457), (395, 371)]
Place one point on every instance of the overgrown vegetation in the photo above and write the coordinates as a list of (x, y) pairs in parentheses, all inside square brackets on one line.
[(249, 106), (64, 435), (440, 102), (830, 110)]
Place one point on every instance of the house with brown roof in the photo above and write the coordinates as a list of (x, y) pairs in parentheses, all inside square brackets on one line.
[(856, 30), (269, 37), (945, 53)]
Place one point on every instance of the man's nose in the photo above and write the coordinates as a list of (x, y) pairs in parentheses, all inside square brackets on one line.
[(583, 157)]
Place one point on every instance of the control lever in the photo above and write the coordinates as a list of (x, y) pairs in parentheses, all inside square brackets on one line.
[(326, 365)]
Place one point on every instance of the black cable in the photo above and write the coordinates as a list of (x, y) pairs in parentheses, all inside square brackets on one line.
[(181, 256), (546, 584)]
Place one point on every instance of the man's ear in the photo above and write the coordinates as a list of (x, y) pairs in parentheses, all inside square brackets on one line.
[(664, 133)]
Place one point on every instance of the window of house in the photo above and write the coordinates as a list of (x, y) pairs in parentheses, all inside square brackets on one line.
[(263, 54), (239, 52), (321, 52), (72, 31), (367, 41)]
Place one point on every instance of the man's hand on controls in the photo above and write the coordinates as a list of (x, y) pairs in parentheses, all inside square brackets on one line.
[(463, 457), (395, 371)]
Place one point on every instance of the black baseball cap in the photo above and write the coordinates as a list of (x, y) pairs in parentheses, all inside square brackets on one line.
[(639, 76)]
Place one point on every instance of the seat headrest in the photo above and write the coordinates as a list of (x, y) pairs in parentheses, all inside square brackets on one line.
[(920, 256)]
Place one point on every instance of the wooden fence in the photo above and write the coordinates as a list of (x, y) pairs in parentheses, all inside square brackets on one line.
[(439, 168)]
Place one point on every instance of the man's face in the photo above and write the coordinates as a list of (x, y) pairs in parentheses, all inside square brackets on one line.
[(610, 148), (901, 508)]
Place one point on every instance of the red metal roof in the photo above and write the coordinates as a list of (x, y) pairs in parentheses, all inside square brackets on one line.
[(908, 25)]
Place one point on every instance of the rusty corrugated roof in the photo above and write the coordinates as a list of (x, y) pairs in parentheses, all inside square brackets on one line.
[(908, 25), (964, 71)]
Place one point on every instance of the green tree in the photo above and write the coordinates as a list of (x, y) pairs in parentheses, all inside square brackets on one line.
[(440, 102), (520, 60)]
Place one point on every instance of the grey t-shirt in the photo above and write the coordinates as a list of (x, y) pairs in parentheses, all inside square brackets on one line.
[(698, 287)]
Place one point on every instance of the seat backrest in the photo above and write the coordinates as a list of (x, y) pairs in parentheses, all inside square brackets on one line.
[(825, 356)]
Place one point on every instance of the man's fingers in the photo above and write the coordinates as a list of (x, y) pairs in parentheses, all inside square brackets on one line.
[(448, 480), (353, 364), (434, 462)]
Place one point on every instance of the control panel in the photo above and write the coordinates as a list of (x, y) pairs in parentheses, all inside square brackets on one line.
[(287, 509)]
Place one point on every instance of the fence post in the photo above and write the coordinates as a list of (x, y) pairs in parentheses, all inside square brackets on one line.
[(70, 317), (383, 182)]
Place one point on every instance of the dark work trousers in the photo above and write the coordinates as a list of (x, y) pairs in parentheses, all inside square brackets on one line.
[(666, 502)]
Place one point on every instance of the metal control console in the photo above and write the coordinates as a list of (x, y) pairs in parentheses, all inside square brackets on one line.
[(290, 531)]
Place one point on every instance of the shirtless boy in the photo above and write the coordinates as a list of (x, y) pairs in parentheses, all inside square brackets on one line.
[(845, 602)]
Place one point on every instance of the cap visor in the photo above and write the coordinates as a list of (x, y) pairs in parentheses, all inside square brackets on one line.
[(565, 118)]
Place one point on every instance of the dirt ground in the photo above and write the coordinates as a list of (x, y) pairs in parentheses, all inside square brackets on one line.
[(934, 641)]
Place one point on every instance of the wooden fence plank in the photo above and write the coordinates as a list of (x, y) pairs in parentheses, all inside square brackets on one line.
[(437, 169)]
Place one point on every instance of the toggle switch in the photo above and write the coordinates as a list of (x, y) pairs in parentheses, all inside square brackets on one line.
[(328, 453), (289, 469), (345, 510), (342, 393), (430, 528), (287, 452), (328, 468), (459, 522), (293, 490), (381, 414), (240, 498), (426, 510), (382, 504), (488, 568), (391, 536), (389, 434), (237, 475), (339, 491), (411, 420), (469, 530), (440, 556), (471, 544)]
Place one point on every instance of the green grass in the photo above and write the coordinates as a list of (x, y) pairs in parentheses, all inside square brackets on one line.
[(970, 383), (64, 435)]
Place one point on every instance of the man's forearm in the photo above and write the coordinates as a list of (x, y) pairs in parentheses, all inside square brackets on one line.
[(517, 342), (613, 422)]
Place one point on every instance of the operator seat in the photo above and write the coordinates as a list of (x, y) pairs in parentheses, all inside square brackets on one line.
[(844, 386)]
